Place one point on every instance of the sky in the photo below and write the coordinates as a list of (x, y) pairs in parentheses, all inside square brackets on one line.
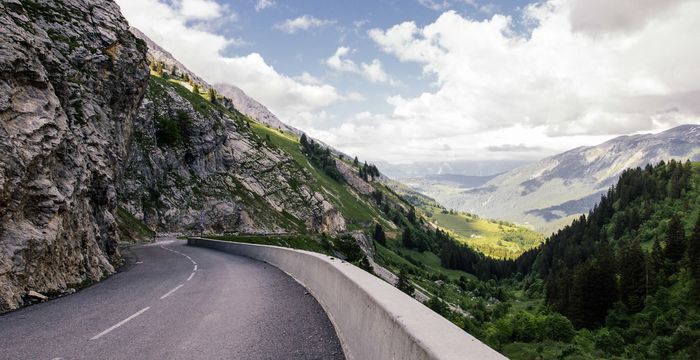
[(402, 81)]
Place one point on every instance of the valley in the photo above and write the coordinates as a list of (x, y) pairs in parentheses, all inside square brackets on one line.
[(552, 192)]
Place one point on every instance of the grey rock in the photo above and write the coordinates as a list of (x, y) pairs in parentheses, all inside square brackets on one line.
[(353, 179), (72, 78), (218, 176), (364, 242)]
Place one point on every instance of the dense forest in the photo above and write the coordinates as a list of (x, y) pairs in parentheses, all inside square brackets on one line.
[(632, 264), (625, 276)]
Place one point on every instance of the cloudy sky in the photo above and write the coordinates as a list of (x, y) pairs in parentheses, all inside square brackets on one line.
[(421, 80)]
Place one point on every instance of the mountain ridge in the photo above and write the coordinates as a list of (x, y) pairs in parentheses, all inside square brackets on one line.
[(554, 190)]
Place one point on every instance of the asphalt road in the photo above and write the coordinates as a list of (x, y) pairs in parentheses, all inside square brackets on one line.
[(177, 302)]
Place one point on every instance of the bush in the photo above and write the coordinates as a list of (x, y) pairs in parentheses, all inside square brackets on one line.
[(526, 327), (610, 342), (173, 131), (558, 327)]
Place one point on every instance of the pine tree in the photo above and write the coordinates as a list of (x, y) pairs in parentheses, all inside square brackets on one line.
[(362, 174), (404, 284), (411, 215), (606, 283), (593, 290), (356, 162), (657, 266), (407, 239), (675, 240), (379, 235), (632, 269), (303, 141), (694, 262), (211, 94)]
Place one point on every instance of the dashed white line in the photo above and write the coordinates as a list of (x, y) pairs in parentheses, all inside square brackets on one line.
[(190, 278), (195, 268), (119, 324), (170, 292), (179, 253)]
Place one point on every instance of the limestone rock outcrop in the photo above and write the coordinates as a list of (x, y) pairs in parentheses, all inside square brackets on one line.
[(71, 78)]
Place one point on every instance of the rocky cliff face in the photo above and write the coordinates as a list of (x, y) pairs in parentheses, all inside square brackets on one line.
[(72, 76), (196, 166)]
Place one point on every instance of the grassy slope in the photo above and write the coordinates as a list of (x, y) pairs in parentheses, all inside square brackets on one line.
[(131, 228), (357, 211), (493, 238), (303, 242), (497, 239)]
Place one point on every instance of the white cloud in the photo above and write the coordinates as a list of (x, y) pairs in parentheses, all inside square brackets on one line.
[(556, 87), (487, 8), (263, 4), (200, 9), (435, 5), (201, 50), (304, 22), (307, 78), (373, 71), (355, 96), (569, 82), (358, 24), (336, 61)]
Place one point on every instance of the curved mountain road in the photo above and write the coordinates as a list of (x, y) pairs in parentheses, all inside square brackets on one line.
[(177, 302)]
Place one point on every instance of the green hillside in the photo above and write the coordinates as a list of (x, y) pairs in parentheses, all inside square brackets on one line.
[(493, 238)]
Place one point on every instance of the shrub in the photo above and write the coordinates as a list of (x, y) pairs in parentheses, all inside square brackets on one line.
[(558, 327), (173, 131)]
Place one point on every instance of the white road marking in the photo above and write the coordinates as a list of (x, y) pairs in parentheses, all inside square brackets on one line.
[(170, 292), (119, 324), (190, 278), (195, 268), (179, 253)]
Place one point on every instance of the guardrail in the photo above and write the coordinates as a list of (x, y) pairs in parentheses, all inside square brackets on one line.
[(373, 319)]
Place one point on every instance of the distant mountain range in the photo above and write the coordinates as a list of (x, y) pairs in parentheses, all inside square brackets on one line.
[(549, 193), (476, 168)]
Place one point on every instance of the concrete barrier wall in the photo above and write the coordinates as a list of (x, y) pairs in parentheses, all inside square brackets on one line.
[(373, 319)]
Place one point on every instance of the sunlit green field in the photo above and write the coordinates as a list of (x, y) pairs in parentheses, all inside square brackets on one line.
[(493, 238)]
